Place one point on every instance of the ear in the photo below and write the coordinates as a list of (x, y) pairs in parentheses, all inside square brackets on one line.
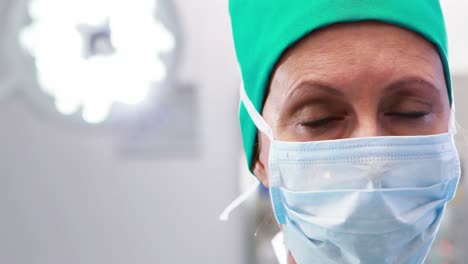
[(260, 168), (291, 259)]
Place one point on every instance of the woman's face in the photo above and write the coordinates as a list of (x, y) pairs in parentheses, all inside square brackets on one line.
[(355, 80)]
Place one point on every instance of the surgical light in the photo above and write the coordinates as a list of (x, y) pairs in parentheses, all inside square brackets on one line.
[(90, 54)]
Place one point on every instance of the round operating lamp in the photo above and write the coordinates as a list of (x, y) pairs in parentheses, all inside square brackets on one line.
[(90, 55)]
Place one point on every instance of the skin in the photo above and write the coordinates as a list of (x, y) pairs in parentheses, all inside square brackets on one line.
[(351, 80)]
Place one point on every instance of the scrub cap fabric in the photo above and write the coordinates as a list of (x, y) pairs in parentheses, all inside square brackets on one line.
[(264, 29)]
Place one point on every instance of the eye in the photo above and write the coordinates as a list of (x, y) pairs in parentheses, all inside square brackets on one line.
[(322, 122), (409, 114)]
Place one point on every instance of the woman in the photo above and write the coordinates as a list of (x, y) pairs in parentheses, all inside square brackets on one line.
[(355, 139)]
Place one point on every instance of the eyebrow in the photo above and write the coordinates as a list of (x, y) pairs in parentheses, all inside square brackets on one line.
[(316, 85), (412, 81), (303, 88), (300, 99), (404, 82)]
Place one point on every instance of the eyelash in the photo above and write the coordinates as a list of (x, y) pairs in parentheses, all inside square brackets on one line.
[(326, 121), (320, 122), (409, 115)]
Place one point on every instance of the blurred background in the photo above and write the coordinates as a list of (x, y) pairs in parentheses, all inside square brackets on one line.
[(119, 140)]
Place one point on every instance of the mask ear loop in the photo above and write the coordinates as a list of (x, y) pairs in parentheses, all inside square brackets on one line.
[(255, 115), (224, 216), (455, 127), (265, 129), (453, 121)]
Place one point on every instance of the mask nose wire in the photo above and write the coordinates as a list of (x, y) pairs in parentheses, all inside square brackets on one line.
[(265, 129), (258, 120)]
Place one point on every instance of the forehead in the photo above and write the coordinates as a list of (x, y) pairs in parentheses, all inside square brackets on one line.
[(371, 52)]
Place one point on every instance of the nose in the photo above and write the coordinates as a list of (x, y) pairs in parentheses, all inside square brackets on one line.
[(367, 127)]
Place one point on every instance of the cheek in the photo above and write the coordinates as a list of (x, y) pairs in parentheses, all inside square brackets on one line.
[(435, 123), (441, 122)]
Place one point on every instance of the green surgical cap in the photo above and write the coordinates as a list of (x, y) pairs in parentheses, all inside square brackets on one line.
[(264, 29)]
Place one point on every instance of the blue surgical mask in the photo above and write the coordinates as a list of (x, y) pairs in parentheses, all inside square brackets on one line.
[(361, 200)]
